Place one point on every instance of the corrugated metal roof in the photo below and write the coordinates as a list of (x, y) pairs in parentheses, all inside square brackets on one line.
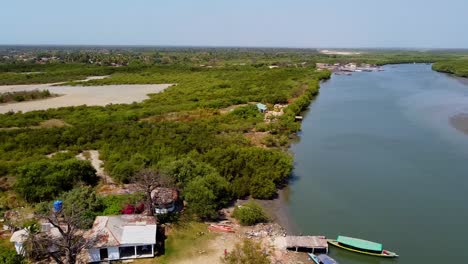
[(139, 235), (360, 243), (109, 231)]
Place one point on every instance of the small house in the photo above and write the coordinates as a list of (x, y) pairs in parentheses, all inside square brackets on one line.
[(164, 200), (262, 108), (122, 237), (20, 236)]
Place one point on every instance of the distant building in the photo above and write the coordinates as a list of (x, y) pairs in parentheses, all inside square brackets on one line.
[(122, 237), (262, 108), (164, 200)]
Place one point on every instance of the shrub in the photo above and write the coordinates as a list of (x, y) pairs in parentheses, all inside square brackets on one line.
[(250, 213), (9, 256), (248, 252)]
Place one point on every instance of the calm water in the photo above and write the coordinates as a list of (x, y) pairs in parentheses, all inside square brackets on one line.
[(378, 159)]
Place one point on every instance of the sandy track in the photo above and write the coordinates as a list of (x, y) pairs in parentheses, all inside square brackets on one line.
[(81, 95)]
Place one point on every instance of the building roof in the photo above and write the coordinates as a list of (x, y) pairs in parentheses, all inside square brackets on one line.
[(359, 243), (19, 236), (111, 231), (164, 195), (306, 242)]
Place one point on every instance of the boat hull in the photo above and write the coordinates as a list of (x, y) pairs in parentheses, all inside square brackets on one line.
[(389, 254), (314, 258)]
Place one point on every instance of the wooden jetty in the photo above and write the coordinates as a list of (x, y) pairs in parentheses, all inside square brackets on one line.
[(311, 244)]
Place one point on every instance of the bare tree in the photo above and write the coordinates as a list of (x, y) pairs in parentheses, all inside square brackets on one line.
[(146, 181), (62, 243)]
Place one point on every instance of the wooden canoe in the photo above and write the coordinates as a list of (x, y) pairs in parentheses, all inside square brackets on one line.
[(384, 253)]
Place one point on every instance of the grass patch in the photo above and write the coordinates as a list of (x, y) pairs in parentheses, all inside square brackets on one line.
[(185, 241)]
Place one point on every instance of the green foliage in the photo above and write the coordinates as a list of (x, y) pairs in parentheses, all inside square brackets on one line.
[(9, 256), (250, 213), (247, 252), (456, 67), (82, 200), (206, 151), (257, 168), (21, 96), (205, 195), (186, 169), (113, 204), (43, 180)]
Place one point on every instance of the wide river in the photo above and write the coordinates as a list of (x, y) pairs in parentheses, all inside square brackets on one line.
[(378, 159)]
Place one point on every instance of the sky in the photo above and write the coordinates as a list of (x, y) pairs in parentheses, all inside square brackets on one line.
[(252, 23)]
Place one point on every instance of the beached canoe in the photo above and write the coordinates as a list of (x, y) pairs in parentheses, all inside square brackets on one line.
[(221, 228), (314, 258), (325, 259), (362, 246)]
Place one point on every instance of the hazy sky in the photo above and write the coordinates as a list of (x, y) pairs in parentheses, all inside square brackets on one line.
[(277, 23)]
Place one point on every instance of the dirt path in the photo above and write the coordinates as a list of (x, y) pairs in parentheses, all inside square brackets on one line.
[(108, 185)]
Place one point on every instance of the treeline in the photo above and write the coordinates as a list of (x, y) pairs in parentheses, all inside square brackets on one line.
[(456, 67), (21, 96)]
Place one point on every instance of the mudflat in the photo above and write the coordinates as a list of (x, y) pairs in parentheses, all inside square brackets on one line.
[(460, 122), (81, 95)]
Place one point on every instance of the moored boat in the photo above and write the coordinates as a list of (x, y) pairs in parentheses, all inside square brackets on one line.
[(362, 246), (314, 258), (325, 259)]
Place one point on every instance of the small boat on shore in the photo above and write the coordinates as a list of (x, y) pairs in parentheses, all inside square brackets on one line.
[(314, 258), (221, 228), (322, 259), (325, 259), (362, 246)]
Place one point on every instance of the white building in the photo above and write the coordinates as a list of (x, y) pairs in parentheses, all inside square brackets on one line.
[(20, 236), (122, 237)]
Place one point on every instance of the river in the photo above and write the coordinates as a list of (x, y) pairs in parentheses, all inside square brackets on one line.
[(378, 159)]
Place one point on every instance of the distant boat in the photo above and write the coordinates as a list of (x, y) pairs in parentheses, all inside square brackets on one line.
[(324, 259), (314, 258), (362, 246)]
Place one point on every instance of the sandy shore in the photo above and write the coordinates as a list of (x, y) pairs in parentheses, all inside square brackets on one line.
[(81, 95), (460, 122)]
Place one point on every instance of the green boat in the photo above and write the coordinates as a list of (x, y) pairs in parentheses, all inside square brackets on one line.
[(362, 246)]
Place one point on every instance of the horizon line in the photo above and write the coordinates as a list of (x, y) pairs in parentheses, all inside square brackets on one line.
[(230, 46)]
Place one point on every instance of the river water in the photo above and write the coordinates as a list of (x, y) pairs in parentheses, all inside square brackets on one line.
[(378, 159)]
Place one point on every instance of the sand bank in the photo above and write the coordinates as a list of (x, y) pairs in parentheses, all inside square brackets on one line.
[(81, 95), (460, 122)]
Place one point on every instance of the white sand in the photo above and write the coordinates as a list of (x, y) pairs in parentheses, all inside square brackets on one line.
[(81, 95)]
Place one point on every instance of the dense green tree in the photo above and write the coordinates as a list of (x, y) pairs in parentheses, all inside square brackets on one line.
[(205, 195), (185, 169), (46, 179), (250, 213), (84, 200)]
